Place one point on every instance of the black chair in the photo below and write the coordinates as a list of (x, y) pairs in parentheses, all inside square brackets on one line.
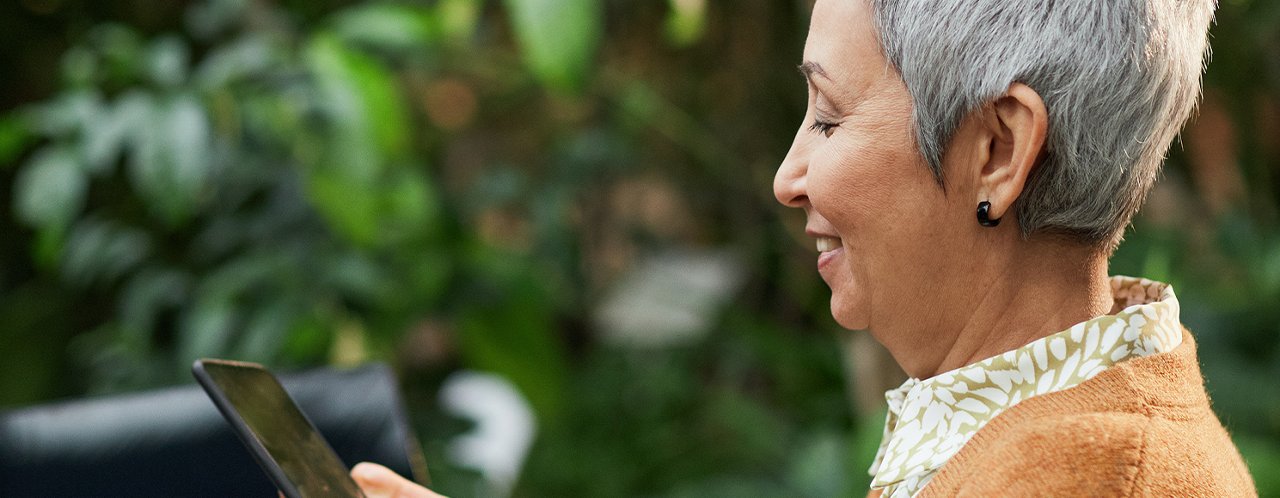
[(173, 442)]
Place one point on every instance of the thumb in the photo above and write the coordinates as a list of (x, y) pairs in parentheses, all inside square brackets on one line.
[(380, 482)]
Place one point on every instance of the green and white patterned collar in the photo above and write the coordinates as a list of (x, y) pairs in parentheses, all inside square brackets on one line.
[(930, 420)]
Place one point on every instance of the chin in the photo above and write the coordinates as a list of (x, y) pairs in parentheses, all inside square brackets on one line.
[(847, 312)]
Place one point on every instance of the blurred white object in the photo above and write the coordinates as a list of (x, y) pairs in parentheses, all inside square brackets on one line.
[(504, 427), (669, 299)]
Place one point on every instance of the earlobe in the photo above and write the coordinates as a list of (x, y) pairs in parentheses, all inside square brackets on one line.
[(1017, 124)]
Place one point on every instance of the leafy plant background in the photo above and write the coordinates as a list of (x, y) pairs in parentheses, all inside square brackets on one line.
[(459, 184)]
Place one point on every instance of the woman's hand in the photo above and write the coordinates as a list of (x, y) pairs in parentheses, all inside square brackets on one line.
[(380, 482)]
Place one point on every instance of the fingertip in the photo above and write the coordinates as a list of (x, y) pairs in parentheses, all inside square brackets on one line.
[(377, 480), (366, 471)]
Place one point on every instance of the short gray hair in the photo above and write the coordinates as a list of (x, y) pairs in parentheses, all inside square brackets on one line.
[(1119, 79)]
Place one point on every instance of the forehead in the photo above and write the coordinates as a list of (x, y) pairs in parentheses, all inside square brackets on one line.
[(842, 38)]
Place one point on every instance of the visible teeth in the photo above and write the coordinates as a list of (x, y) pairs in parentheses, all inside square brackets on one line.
[(826, 244)]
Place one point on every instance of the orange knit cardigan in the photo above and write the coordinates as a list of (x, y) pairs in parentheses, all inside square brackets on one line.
[(1140, 428)]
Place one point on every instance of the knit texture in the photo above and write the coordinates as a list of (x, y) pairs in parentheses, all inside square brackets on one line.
[(1143, 427)]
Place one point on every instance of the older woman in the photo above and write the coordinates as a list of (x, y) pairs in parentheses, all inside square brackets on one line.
[(967, 168)]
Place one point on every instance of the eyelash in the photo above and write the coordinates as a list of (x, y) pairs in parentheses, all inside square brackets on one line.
[(826, 129)]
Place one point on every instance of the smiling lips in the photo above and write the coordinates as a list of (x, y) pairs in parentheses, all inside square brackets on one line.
[(828, 249)]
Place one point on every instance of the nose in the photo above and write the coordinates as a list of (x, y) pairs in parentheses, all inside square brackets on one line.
[(789, 182)]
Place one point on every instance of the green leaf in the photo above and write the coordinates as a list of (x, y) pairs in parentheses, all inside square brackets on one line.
[(121, 48), (207, 330), (224, 296), (66, 114), (209, 18), (368, 129), (79, 66), (239, 59), (410, 207), (105, 134), (309, 339), (170, 165), (14, 137), (429, 272), (148, 294), (357, 277), (50, 190), (393, 27), (349, 205), (557, 38), (458, 18), (47, 249), (362, 101), (102, 251), (167, 60), (264, 335), (686, 21)]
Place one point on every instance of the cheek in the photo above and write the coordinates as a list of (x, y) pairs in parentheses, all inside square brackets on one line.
[(862, 189), (887, 208)]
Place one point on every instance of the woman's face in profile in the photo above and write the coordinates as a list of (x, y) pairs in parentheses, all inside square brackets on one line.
[(882, 225)]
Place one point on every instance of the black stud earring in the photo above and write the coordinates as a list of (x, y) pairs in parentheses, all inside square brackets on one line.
[(984, 215)]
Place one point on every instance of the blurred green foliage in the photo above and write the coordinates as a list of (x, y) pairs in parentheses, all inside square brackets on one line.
[(456, 184)]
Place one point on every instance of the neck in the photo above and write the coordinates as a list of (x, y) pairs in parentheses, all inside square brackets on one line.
[(1020, 296)]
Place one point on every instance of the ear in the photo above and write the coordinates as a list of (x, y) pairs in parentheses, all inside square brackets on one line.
[(1015, 126)]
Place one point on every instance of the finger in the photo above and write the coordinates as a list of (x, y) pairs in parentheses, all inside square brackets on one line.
[(380, 482)]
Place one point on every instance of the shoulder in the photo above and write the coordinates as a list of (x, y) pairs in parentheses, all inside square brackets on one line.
[(1108, 454), (1091, 454), (1085, 454), (1116, 435), (1191, 454)]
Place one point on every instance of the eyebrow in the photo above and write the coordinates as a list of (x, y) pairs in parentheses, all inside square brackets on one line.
[(810, 68)]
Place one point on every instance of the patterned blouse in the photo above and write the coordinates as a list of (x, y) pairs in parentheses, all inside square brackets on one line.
[(930, 420)]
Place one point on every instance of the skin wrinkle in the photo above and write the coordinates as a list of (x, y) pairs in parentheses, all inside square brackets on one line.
[(1036, 318)]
